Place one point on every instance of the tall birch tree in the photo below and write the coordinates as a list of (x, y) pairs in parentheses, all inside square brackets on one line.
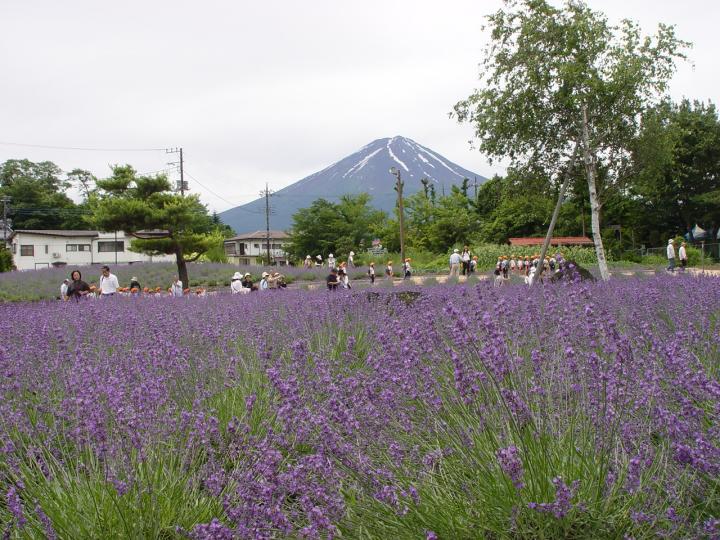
[(553, 78)]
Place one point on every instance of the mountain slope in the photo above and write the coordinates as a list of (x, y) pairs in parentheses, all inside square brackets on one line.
[(365, 171)]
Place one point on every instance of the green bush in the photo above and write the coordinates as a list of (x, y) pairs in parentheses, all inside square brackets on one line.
[(6, 260)]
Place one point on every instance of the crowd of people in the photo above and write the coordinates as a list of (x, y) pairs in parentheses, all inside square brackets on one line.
[(524, 266), (243, 284), (318, 262), (108, 285), (460, 263)]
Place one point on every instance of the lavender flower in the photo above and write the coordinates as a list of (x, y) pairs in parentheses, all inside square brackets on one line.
[(511, 465)]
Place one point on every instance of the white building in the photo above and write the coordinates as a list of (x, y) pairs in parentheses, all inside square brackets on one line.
[(33, 249), (250, 248)]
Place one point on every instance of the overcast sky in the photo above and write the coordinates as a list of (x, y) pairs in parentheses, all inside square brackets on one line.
[(261, 92)]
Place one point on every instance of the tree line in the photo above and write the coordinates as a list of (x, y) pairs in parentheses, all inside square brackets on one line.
[(125, 201), (671, 183)]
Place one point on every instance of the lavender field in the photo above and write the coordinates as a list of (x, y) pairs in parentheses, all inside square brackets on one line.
[(567, 411)]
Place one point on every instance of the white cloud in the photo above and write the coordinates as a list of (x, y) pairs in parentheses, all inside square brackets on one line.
[(263, 91)]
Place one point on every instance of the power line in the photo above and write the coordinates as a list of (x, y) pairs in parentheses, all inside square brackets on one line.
[(86, 149), (232, 204)]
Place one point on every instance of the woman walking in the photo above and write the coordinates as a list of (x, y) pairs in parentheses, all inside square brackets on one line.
[(77, 288)]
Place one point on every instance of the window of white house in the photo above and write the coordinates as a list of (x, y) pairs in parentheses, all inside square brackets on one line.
[(14, 249), (257, 246), (230, 249), (111, 247), (78, 247), (276, 246), (27, 251), (46, 249)]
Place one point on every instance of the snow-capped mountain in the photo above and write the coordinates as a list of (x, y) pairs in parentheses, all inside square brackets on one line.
[(365, 171)]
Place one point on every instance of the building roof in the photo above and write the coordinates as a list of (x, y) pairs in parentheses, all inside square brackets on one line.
[(54, 232), (556, 241), (150, 234), (260, 235)]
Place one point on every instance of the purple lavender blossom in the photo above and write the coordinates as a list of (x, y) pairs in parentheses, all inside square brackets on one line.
[(511, 464), (288, 428)]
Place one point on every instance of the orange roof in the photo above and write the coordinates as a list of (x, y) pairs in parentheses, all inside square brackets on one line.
[(556, 241)]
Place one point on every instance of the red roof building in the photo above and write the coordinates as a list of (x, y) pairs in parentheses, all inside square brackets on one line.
[(556, 241)]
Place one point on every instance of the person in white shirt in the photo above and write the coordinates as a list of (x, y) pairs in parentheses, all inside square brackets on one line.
[(63, 289), (455, 263), (264, 281), (344, 279), (530, 276), (682, 254), (465, 257), (371, 273), (108, 282), (671, 255), (176, 289), (308, 262), (236, 286), (351, 261), (318, 260), (389, 274), (407, 269), (331, 261)]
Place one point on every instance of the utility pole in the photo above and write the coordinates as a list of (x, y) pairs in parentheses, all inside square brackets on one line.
[(266, 193), (399, 188), (182, 187), (182, 176), (475, 186), (5, 200)]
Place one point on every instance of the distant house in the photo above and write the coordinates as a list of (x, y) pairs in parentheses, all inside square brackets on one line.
[(251, 248), (34, 249), (556, 241)]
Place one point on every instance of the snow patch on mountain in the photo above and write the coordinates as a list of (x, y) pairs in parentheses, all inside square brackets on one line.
[(360, 164), (393, 156), (422, 158), (436, 158)]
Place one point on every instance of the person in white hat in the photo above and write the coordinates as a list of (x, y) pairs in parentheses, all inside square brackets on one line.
[(307, 263), (264, 281), (671, 256), (236, 283), (331, 261), (247, 281), (455, 263), (318, 260), (351, 261)]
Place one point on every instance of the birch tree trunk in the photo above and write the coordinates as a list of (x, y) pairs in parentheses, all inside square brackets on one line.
[(591, 173)]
